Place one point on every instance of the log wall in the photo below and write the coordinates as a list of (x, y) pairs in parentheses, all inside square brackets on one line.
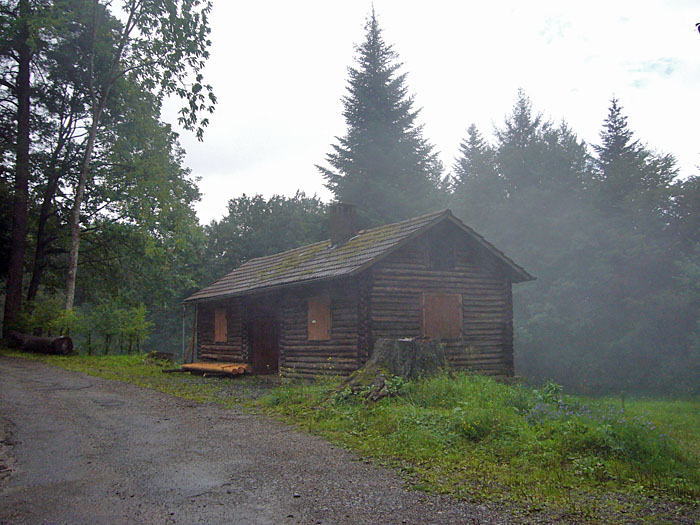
[(384, 301), (302, 358), (236, 346), (398, 282)]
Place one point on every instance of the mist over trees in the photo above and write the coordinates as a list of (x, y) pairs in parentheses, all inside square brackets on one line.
[(601, 229), (609, 229)]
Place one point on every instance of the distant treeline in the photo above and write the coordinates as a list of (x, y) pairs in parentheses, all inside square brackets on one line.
[(610, 230)]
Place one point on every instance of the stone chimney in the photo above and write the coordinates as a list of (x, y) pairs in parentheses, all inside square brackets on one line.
[(343, 222)]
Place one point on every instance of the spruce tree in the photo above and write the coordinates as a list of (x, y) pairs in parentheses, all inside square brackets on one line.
[(477, 189), (630, 176), (382, 164)]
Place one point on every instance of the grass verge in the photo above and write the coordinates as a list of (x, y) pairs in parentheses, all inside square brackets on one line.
[(536, 449), (533, 450), (141, 370)]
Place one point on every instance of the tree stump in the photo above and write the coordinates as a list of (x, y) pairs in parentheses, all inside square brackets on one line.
[(405, 358), (41, 345)]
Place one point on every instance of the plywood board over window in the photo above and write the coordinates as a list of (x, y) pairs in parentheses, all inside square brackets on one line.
[(220, 325), (319, 318), (442, 315)]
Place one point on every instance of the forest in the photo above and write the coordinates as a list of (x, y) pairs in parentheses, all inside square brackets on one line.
[(99, 238)]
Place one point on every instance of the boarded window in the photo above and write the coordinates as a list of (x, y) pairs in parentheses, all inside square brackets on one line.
[(442, 315), (319, 318), (220, 326)]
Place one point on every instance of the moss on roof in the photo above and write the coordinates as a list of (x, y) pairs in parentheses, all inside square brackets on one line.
[(293, 259), (321, 260)]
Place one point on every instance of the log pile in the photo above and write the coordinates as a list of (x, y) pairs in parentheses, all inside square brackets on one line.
[(218, 369), (41, 345)]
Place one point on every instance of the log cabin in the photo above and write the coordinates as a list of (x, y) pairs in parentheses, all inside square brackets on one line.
[(318, 309)]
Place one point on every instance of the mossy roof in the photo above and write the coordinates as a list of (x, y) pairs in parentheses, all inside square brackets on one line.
[(322, 260)]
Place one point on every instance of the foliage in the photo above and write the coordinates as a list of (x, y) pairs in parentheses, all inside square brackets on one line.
[(158, 47), (255, 226), (141, 239), (383, 164), (108, 321), (604, 236), (473, 437)]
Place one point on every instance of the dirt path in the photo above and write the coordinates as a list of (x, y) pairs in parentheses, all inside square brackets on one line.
[(88, 450)]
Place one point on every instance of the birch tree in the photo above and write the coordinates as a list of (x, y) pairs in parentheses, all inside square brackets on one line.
[(160, 44)]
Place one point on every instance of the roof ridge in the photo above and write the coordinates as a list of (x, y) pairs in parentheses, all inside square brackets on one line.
[(444, 211)]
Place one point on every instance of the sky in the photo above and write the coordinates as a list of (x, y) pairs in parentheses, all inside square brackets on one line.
[(279, 71)]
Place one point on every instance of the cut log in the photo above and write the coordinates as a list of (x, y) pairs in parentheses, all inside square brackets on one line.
[(41, 345)]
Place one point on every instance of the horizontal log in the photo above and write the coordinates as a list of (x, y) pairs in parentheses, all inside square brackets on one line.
[(220, 346), (41, 345), (431, 276), (303, 374), (434, 275), (320, 358), (317, 345), (321, 362), (419, 282), (318, 348), (310, 368)]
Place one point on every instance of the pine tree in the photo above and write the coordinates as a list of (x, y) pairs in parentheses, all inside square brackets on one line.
[(630, 176), (520, 146), (477, 189), (382, 164)]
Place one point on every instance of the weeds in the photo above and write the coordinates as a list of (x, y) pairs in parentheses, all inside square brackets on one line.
[(475, 438)]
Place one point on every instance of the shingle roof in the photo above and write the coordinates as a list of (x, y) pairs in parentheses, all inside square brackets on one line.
[(321, 260)]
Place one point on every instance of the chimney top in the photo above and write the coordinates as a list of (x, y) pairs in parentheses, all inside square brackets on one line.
[(343, 222)]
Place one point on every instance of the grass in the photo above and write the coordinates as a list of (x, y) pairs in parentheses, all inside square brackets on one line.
[(143, 371), (474, 438), (532, 450)]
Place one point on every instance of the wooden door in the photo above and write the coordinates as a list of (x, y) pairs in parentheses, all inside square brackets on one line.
[(265, 345)]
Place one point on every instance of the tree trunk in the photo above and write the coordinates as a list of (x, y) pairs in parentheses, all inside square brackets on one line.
[(41, 345), (43, 239), (75, 214), (98, 102), (13, 293)]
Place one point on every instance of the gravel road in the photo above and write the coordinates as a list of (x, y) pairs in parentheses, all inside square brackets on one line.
[(80, 449)]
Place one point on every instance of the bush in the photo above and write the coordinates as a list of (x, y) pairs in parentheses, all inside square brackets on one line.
[(111, 320)]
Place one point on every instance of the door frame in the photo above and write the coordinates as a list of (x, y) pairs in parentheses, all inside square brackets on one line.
[(261, 313)]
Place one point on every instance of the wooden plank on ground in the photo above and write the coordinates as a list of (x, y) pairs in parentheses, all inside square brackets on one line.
[(219, 368)]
